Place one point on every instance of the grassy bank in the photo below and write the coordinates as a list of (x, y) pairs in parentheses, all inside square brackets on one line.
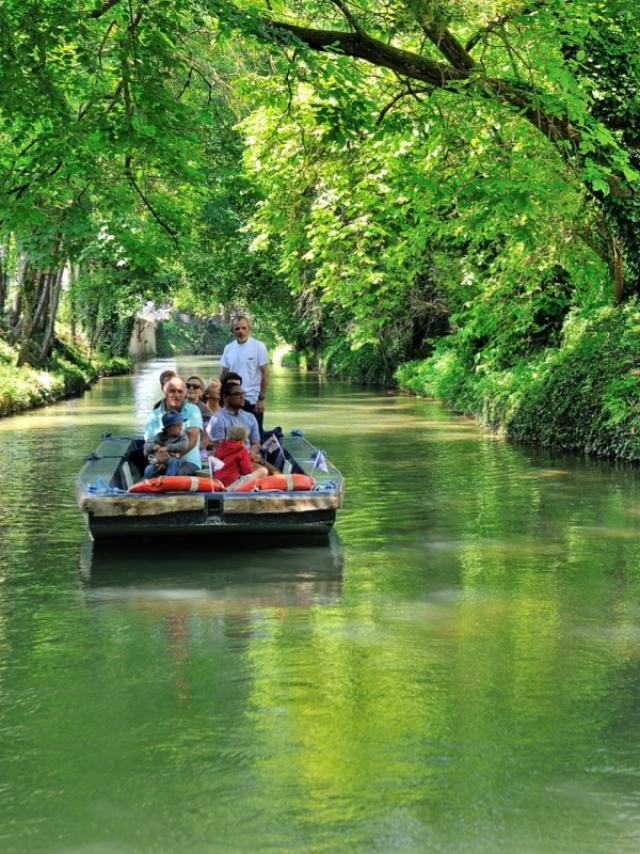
[(582, 395), (68, 372)]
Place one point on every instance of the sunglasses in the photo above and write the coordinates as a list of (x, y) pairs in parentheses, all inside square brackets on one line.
[(193, 386)]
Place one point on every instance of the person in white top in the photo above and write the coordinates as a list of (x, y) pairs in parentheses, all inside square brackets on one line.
[(248, 357)]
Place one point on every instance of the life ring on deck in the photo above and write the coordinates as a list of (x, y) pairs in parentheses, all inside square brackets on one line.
[(282, 482), (177, 483)]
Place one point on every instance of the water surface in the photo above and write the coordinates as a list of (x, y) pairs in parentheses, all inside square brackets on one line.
[(457, 669)]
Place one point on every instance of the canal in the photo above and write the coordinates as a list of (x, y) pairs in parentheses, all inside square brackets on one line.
[(457, 669)]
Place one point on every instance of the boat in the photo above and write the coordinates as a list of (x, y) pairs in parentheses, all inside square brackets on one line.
[(112, 511)]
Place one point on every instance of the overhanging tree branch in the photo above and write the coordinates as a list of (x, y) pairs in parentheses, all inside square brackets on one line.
[(102, 10), (347, 13), (409, 91), (461, 77), (447, 44), (360, 45), (500, 20), (145, 201)]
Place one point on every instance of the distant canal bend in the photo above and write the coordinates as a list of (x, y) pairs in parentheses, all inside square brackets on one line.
[(457, 669)]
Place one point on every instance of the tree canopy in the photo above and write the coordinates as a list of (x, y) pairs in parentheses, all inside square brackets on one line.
[(367, 174)]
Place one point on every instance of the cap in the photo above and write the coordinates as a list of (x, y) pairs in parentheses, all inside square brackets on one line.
[(172, 417)]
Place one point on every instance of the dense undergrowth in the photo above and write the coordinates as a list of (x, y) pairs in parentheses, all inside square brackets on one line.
[(364, 365), (68, 371), (583, 394)]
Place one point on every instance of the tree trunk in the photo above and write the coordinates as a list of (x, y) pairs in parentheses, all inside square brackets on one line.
[(95, 329), (43, 296), (16, 309), (28, 295), (41, 300), (618, 270), (74, 275), (53, 311), (4, 273)]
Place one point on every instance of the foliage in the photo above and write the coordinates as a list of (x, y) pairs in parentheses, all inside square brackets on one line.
[(192, 336), (582, 395), (390, 225), (68, 371), (119, 161), (541, 64), (452, 186)]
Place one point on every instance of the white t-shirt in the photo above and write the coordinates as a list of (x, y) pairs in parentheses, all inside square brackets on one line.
[(246, 359)]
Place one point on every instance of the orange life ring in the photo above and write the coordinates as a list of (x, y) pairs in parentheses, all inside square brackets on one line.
[(177, 483), (281, 482)]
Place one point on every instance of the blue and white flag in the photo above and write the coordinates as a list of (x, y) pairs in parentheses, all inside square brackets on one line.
[(320, 461), (273, 453), (271, 445)]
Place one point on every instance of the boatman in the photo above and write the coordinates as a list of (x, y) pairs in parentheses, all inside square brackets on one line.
[(248, 357), (175, 398)]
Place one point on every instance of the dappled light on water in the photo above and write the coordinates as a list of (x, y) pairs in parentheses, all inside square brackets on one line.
[(455, 668)]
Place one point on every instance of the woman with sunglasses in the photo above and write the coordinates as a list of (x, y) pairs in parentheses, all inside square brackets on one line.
[(195, 390)]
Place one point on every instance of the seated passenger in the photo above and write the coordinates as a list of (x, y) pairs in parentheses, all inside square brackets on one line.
[(174, 398), (237, 468), (231, 415), (164, 376), (232, 377), (211, 397), (172, 437), (195, 390)]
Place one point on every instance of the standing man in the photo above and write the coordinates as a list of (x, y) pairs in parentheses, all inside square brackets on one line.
[(248, 357)]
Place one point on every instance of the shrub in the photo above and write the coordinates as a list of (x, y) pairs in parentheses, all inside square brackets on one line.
[(68, 371), (581, 395)]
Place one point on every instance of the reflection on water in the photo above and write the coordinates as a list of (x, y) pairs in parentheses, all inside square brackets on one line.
[(457, 668), (217, 577)]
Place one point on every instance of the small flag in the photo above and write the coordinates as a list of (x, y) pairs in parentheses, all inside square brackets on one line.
[(271, 445), (320, 461), (214, 465), (273, 453)]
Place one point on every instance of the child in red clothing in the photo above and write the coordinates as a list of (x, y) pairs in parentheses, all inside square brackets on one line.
[(237, 467)]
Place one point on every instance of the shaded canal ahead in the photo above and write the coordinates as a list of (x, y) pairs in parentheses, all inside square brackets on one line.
[(458, 669)]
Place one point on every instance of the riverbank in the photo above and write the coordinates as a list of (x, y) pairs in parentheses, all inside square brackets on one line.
[(582, 395), (68, 372)]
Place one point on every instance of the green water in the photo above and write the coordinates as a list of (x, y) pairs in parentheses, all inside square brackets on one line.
[(458, 669)]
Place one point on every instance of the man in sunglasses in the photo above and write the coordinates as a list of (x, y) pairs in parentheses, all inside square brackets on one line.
[(175, 399), (233, 414)]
